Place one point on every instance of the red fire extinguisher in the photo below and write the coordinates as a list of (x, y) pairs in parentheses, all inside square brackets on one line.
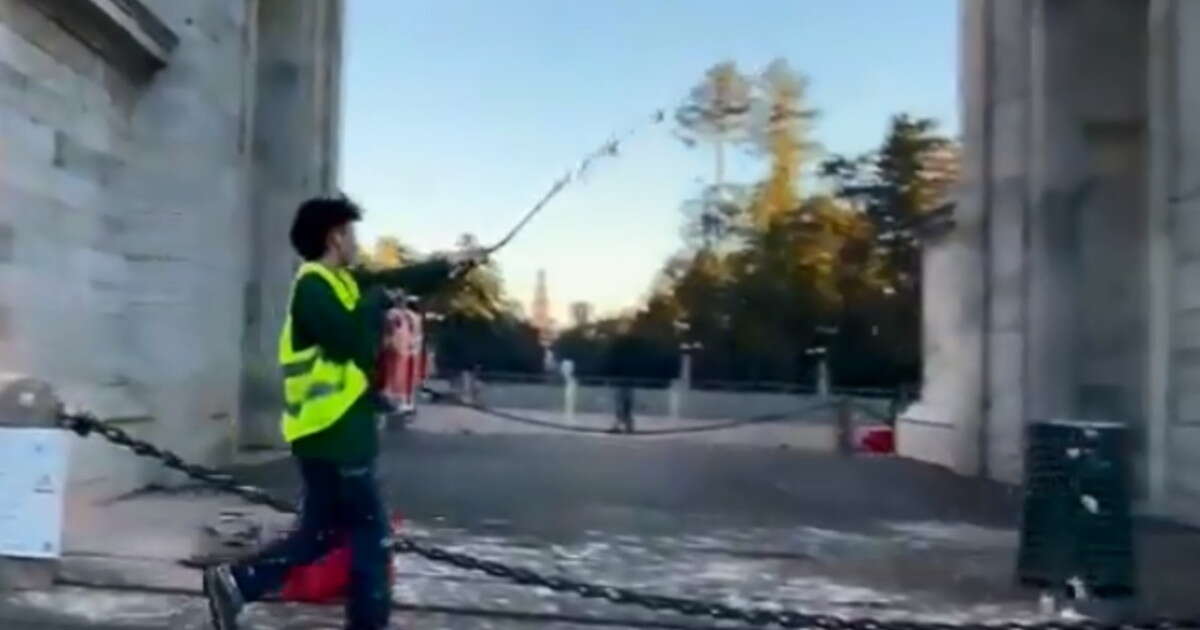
[(401, 368)]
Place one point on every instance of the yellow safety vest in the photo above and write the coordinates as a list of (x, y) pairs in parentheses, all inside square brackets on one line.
[(316, 390)]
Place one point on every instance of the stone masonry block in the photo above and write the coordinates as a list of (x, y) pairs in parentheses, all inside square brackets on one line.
[(11, 79), (1012, 49), (1187, 285), (97, 166), (33, 140), (126, 33), (27, 58), (7, 243), (1185, 229), (1010, 154), (19, 574), (49, 36), (1186, 332)]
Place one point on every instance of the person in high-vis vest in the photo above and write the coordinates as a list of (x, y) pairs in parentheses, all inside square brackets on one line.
[(327, 349)]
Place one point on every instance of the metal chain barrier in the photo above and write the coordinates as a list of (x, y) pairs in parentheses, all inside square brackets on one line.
[(766, 418), (85, 424)]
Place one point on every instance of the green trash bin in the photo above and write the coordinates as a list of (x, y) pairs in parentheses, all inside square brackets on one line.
[(1076, 525)]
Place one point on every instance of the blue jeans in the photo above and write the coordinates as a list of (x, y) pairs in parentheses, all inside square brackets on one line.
[(337, 500)]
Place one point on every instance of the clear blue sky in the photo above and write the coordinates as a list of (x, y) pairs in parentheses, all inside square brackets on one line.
[(460, 113)]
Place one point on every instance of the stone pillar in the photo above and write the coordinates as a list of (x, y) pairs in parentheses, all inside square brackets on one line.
[(1163, 178), (946, 424), (1087, 313), (27, 403), (1173, 374), (296, 131), (1006, 196)]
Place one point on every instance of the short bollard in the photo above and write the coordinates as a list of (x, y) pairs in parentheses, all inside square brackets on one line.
[(845, 427), (675, 399), (33, 471), (570, 390)]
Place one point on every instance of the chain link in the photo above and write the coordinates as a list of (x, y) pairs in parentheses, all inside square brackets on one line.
[(85, 424)]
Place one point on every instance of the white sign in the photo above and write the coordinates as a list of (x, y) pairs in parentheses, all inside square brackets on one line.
[(33, 473)]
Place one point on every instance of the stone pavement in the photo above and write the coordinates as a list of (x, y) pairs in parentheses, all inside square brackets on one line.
[(740, 524)]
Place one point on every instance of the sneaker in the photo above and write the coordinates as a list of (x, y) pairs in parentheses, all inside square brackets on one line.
[(224, 597)]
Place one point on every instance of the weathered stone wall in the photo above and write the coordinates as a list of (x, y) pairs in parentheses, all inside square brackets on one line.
[(1175, 236), (127, 219), (1081, 216)]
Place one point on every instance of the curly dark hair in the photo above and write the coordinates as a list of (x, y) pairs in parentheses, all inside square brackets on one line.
[(315, 219)]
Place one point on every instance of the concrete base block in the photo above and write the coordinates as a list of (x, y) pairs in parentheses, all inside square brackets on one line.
[(921, 437), (20, 574), (27, 402)]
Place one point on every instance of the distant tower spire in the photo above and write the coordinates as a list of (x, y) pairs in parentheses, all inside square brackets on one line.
[(541, 307)]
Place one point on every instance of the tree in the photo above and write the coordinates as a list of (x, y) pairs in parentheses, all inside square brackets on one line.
[(714, 219), (500, 344), (648, 348), (781, 131), (716, 112), (908, 176), (390, 253), (767, 113)]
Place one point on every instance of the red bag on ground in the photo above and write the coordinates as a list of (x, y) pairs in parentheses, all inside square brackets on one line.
[(327, 580), (879, 440)]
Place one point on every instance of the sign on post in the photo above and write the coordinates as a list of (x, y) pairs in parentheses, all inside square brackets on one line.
[(33, 471)]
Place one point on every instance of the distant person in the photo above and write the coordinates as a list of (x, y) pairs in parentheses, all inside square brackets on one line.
[(624, 409), (477, 385), (623, 362)]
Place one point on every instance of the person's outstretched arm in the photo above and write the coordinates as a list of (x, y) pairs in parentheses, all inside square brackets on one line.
[(417, 279)]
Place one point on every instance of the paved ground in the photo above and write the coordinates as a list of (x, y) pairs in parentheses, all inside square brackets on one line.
[(741, 524)]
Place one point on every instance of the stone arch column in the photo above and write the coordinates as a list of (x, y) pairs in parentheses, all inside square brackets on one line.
[(1045, 305), (1087, 345), (295, 137)]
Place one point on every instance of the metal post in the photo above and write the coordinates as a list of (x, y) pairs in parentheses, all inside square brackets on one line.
[(845, 428), (823, 388), (674, 399), (685, 370), (568, 371)]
